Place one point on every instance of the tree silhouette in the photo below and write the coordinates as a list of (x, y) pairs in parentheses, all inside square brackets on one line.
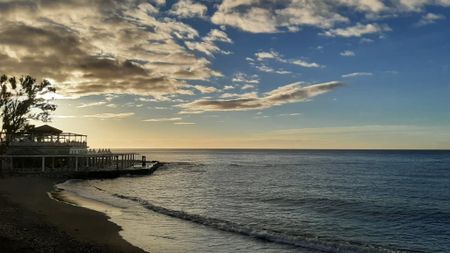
[(24, 100)]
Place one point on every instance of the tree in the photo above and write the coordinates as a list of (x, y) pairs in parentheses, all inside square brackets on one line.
[(24, 100)]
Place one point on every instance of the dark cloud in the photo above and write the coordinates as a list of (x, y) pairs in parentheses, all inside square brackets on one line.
[(99, 47)]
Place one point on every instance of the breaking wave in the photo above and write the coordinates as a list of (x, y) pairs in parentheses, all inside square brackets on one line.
[(264, 234)]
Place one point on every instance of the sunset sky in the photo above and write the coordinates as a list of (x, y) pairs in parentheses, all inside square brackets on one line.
[(239, 73)]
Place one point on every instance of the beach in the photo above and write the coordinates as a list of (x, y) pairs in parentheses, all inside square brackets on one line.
[(30, 221)]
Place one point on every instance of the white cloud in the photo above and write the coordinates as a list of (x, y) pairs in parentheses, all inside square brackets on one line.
[(347, 53), (207, 45), (228, 87), (92, 104), (248, 95), (248, 87), (273, 55), (162, 119), (291, 93), (110, 115), (260, 56), (357, 30), (268, 69), (205, 89), (429, 18), (373, 6), (262, 16), (188, 9), (357, 74), (243, 78), (419, 5), (259, 16), (204, 47), (64, 116), (217, 35), (305, 64), (159, 2)]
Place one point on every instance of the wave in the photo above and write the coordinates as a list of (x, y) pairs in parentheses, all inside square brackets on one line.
[(312, 243)]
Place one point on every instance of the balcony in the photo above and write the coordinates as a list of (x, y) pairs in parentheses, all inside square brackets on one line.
[(31, 139)]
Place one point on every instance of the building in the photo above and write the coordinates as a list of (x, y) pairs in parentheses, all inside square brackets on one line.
[(44, 140), (48, 149)]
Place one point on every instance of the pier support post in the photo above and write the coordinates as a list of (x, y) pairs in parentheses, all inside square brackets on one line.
[(76, 163), (43, 164)]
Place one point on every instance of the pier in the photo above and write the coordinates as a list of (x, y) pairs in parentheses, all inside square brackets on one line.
[(47, 150), (67, 163)]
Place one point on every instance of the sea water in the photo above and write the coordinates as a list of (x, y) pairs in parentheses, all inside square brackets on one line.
[(281, 201)]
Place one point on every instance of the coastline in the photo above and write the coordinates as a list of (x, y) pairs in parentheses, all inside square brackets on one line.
[(30, 221)]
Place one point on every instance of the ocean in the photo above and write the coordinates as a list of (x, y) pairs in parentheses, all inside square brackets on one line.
[(280, 201)]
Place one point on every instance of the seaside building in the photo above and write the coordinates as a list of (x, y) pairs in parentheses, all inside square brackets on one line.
[(45, 140), (48, 149)]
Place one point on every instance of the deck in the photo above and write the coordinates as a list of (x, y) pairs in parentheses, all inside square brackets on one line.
[(107, 161)]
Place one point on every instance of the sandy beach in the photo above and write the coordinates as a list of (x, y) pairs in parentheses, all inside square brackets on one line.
[(32, 222)]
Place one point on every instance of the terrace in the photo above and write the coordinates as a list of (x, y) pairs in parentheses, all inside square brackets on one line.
[(44, 136)]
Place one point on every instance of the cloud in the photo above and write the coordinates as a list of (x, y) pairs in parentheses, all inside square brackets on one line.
[(184, 123), (241, 96), (248, 87), (268, 69), (259, 16), (217, 35), (418, 5), (357, 74), (162, 119), (429, 18), (260, 56), (207, 45), (188, 9), (110, 115), (357, 30), (205, 89), (291, 93), (159, 2), (64, 116), (305, 64), (347, 53), (228, 87), (92, 104), (273, 55), (100, 47), (243, 78), (290, 114), (262, 16)]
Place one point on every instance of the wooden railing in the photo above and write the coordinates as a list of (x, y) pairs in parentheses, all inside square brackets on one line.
[(29, 139)]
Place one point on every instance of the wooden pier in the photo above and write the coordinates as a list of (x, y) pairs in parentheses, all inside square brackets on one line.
[(48, 150), (18, 164)]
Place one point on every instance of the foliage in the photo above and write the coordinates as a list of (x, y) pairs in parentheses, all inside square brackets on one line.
[(24, 100)]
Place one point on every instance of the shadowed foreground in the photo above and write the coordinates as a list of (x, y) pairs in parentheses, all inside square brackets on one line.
[(32, 222)]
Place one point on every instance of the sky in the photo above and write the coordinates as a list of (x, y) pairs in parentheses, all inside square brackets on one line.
[(239, 73)]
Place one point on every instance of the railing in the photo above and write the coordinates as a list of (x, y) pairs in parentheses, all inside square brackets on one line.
[(28, 139)]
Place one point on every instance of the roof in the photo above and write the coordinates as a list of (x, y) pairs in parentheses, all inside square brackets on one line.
[(45, 129)]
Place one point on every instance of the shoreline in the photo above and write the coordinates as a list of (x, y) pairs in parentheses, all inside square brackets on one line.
[(30, 221)]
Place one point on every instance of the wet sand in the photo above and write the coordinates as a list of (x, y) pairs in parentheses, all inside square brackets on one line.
[(32, 222)]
